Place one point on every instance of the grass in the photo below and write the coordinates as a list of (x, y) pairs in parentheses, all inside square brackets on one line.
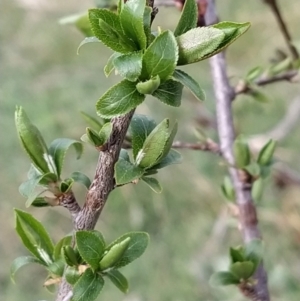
[(43, 73)]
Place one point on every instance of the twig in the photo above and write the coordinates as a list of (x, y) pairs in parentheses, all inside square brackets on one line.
[(101, 186), (224, 94), (283, 28), (243, 86), (208, 145)]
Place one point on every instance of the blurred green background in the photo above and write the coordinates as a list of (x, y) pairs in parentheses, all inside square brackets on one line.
[(190, 224)]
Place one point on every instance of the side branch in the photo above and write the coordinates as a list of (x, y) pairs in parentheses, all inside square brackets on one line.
[(224, 94)]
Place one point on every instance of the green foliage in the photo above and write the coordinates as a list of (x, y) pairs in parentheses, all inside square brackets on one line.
[(265, 155), (244, 262), (241, 152)]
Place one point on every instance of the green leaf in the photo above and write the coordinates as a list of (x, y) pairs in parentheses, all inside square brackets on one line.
[(232, 31), (253, 74), (72, 275), (114, 254), (173, 157), (33, 142), (137, 246), (119, 100), (109, 67), (257, 190), (149, 86), (147, 24), (118, 280), (242, 270), (87, 40), (223, 278), (70, 256), (129, 65), (40, 202), (228, 189), (198, 43), (253, 169), (141, 126), (131, 18), (105, 132), (20, 262), (88, 287), (154, 145), (65, 241), (93, 122), (126, 172), (189, 82), (160, 57), (241, 152), (58, 149), (254, 251), (153, 184), (169, 142), (90, 247), (265, 155), (91, 137), (34, 236), (258, 95), (124, 155), (169, 92), (81, 21), (188, 18), (203, 42), (237, 255), (107, 28), (80, 177), (57, 268)]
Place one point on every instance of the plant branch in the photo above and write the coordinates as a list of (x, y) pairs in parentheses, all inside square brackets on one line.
[(224, 94), (69, 202), (243, 86), (283, 28), (101, 186), (208, 145)]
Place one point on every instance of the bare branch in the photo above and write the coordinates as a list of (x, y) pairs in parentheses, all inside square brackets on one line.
[(224, 94), (208, 145), (283, 28)]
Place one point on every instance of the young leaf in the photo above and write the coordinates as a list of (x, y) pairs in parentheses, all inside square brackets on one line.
[(40, 202), (237, 255), (65, 241), (232, 31), (57, 268), (124, 155), (227, 189), (254, 252), (149, 86), (119, 280), (93, 122), (258, 95), (119, 100), (58, 149), (129, 65), (80, 177), (91, 137), (154, 145), (141, 126), (241, 152), (114, 254), (254, 73), (34, 236), (189, 82), (131, 18), (188, 18), (223, 278), (33, 142), (196, 44), (107, 28), (147, 24), (169, 92), (153, 184), (109, 67), (72, 275), (126, 172), (169, 142), (137, 246), (173, 157), (20, 262), (81, 21), (87, 40), (242, 270), (160, 57), (105, 132), (265, 155), (70, 256), (257, 190), (88, 287), (90, 247)]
